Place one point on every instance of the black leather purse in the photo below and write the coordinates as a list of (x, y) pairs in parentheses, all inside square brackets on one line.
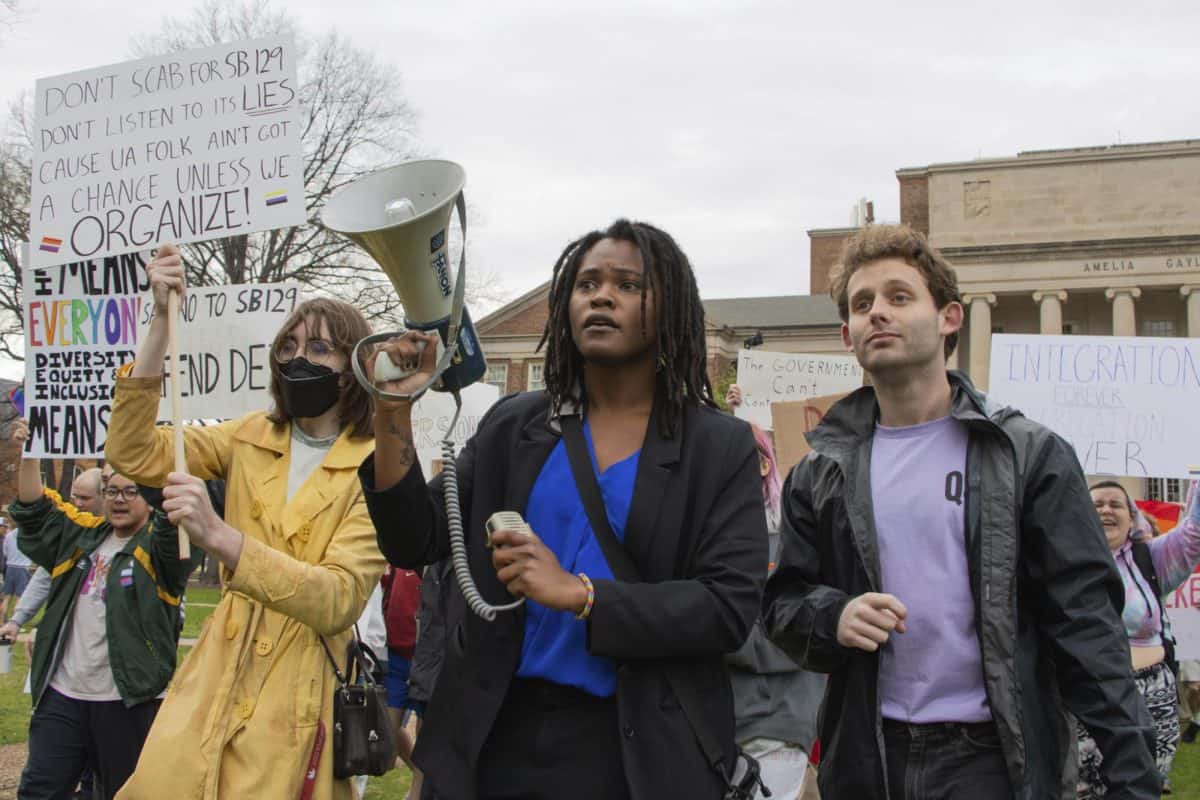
[(363, 740)]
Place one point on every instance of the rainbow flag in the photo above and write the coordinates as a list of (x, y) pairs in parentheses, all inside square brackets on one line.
[(1164, 515), (50, 244), (277, 197)]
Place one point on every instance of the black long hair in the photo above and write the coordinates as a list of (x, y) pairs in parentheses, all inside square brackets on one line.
[(682, 375)]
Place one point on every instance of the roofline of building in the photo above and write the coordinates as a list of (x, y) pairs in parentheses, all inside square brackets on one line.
[(1030, 158), (510, 308), (815, 233)]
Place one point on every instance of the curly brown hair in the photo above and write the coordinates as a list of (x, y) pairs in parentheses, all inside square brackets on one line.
[(346, 327), (876, 242)]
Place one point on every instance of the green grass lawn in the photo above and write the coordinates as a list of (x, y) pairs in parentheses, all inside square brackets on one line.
[(15, 707)]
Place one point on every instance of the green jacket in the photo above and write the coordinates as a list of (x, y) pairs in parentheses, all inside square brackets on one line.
[(141, 618)]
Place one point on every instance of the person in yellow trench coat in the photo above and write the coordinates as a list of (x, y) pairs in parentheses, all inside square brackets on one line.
[(298, 555)]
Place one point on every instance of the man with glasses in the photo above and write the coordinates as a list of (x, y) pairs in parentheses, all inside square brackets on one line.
[(106, 645)]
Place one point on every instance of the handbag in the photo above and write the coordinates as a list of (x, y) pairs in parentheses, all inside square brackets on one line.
[(746, 778), (364, 742)]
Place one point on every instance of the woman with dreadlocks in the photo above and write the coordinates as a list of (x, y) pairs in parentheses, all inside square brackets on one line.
[(599, 686)]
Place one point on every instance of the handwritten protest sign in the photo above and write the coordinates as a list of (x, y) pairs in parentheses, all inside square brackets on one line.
[(1126, 404), (1183, 607), (768, 378), (184, 147), (431, 417), (791, 422), (83, 320)]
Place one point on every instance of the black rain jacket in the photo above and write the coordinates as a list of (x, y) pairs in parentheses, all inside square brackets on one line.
[(1048, 602)]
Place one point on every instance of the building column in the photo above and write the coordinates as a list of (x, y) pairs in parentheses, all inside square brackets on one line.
[(1050, 303), (1192, 293), (1124, 316), (980, 306)]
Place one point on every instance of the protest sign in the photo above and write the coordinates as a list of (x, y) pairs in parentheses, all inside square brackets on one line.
[(1183, 607), (1126, 404), (431, 417), (84, 320), (791, 422), (178, 148), (767, 378)]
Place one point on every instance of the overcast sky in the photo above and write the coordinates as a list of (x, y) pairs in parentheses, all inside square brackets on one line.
[(736, 126)]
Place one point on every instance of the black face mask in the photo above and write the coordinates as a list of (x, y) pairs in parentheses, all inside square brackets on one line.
[(308, 389)]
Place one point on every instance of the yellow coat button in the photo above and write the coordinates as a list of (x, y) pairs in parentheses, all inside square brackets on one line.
[(305, 531), (231, 628), (246, 708), (263, 647), (256, 510)]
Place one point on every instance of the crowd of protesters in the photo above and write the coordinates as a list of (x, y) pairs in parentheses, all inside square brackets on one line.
[(933, 577)]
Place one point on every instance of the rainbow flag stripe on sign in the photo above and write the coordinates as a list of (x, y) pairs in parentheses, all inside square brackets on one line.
[(276, 198), (50, 245)]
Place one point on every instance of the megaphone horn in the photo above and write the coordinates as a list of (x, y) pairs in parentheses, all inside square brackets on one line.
[(400, 215)]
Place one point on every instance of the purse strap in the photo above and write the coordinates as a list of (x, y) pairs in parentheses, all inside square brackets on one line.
[(624, 569), (356, 660)]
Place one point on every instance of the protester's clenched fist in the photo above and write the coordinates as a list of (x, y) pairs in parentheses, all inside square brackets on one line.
[(869, 619), (415, 353), (20, 432), (166, 276), (530, 569), (186, 501), (733, 396)]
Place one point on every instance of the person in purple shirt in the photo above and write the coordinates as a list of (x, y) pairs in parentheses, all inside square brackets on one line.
[(942, 562), (1150, 568)]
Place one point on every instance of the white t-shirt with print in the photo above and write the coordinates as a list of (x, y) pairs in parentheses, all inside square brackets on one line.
[(84, 672)]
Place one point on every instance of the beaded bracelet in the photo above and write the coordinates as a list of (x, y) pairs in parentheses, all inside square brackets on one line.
[(591, 597)]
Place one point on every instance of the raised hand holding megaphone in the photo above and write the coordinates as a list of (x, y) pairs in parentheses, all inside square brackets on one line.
[(403, 364)]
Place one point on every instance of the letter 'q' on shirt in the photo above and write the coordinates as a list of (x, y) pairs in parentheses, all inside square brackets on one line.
[(933, 672)]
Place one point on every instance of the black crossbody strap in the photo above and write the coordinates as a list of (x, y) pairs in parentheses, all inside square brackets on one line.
[(624, 568)]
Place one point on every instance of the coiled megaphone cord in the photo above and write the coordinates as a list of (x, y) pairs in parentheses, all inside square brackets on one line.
[(454, 523)]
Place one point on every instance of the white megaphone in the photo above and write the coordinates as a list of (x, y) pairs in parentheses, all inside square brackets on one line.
[(400, 216)]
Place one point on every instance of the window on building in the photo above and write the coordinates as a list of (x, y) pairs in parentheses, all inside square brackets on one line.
[(1167, 490), (1158, 327), (497, 375), (535, 382), (1072, 328), (997, 329)]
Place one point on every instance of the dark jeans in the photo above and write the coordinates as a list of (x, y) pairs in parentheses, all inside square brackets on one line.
[(945, 761), (65, 734), (550, 742)]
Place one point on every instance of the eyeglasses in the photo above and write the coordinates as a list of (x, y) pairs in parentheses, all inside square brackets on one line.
[(127, 494), (314, 349)]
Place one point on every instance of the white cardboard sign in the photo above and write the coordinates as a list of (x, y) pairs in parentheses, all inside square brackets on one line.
[(84, 320), (178, 148), (767, 378), (431, 417), (1127, 404)]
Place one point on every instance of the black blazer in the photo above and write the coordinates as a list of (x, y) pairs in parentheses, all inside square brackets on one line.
[(698, 534)]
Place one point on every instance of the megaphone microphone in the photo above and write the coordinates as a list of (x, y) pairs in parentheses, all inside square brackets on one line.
[(399, 215)]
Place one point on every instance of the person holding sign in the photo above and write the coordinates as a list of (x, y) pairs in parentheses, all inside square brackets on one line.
[(601, 686), (1151, 568), (250, 714), (941, 560), (105, 649)]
